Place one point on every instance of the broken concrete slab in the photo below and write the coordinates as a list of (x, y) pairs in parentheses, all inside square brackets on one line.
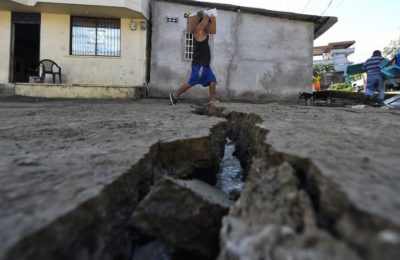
[(323, 147), (71, 173), (186, 213), (273, 217)]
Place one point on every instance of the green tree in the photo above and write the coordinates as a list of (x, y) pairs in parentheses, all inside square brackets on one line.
[(319, 70), (356, 76), (390, 50)]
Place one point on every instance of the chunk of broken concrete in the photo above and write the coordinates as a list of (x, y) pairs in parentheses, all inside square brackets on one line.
[(186, 213)]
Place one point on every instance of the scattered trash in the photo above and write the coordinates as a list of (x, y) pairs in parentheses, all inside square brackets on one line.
[(323, 102), (359, 106), (393, 102)]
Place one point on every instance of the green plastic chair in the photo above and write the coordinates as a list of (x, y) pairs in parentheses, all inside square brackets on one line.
[(390, 72), (355, 69)]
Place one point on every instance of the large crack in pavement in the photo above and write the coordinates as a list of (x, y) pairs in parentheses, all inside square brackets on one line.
[(288, 208)]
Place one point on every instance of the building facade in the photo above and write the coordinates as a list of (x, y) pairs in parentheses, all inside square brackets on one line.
[(94, 43), (256, 54), (334, 53)]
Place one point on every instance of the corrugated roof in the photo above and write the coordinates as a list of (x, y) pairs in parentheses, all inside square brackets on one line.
[(321, 23)]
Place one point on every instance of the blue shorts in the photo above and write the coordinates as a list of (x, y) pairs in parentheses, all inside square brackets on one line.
[(201, 75)]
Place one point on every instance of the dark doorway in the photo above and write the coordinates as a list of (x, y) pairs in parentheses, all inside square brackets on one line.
[(25, 46)]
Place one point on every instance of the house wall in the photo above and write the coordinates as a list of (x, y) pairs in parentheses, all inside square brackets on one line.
[(129, 69), (254, 57), (340, 60), (5, 34)]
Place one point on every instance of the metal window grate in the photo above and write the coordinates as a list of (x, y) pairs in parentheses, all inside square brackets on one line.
[(188, 47), (172, 20), (95, 36)]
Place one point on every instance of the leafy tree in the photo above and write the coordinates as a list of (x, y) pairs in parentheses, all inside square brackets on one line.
[(390, 50), (319, 70)]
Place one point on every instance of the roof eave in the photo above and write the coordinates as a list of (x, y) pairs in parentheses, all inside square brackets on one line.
[(321, 23)]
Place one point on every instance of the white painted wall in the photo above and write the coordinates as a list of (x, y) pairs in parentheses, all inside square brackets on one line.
[(255, 57), (5, 34), (340, 60), (129, 69)]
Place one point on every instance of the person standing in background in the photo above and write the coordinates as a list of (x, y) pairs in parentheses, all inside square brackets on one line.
[(374, 77), (396, 59)]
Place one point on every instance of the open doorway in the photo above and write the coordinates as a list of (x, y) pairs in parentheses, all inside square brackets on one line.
[(25, 46)]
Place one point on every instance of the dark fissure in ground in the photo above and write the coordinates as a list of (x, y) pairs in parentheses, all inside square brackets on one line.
[(102, 228), (228, 178)]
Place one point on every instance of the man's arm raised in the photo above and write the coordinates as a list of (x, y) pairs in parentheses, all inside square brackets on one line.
[(200, 31)]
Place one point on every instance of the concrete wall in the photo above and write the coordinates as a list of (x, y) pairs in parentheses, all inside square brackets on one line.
[(129, 69), (254, 57), (5, 34)]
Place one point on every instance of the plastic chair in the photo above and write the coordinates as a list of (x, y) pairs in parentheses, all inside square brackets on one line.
[(390, 72), (355, 69), (47, 66), (384, 63)]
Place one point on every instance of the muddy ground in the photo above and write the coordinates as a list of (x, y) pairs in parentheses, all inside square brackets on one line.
[(322, 183)]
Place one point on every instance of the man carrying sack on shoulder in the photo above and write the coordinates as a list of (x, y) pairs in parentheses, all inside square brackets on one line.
[(201, 70)]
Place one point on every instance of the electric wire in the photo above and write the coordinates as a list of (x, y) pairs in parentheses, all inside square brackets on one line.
[(330, 2), (339, 4), (305, 7)]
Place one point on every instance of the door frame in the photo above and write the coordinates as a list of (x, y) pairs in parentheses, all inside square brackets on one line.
[(21, 18)]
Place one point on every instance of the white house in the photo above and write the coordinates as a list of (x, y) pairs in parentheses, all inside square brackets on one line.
[(334, 53), (96, 43)]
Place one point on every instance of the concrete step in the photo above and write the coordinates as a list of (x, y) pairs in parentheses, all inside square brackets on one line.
[(7, 90), (96, 91)]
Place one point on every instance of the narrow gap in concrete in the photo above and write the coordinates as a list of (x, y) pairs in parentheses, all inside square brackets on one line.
[(323, 219), (203, 174), (185, 165), (332, 210), (310, 187)]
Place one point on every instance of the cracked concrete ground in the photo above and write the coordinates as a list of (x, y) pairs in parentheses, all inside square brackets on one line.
[(358, 149), (56, 155)]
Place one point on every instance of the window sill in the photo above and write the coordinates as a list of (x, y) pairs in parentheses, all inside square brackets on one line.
[(94, 56)]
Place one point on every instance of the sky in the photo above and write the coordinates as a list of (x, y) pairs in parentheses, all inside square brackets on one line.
[(371, 23)]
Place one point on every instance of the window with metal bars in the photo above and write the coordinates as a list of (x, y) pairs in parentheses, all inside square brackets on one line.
[(188, 55), (92, 36)]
